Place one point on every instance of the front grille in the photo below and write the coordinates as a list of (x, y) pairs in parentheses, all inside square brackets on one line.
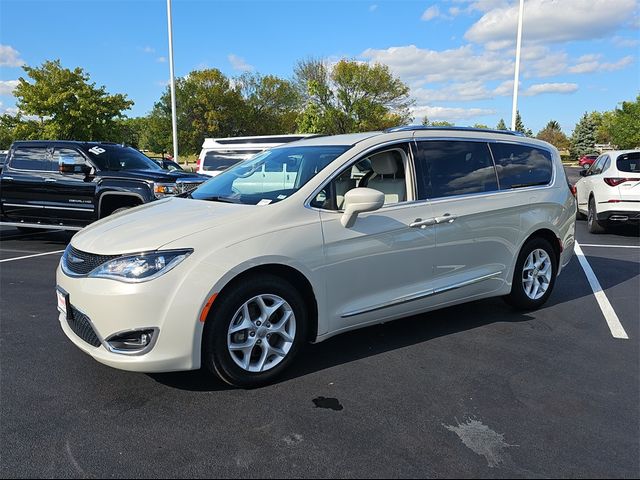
[(81, 326), (187, 186), (81, 263)]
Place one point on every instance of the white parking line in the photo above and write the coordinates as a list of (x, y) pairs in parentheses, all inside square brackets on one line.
[(609, 246), (617, 330), (30, 256)]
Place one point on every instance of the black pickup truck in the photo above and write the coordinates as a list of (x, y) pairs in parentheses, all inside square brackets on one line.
[(67, 185)]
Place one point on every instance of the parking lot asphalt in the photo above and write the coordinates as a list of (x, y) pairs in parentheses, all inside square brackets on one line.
[(476, 390)]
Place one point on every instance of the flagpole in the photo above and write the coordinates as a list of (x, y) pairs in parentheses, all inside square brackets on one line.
[(172, 81), (516, 79)]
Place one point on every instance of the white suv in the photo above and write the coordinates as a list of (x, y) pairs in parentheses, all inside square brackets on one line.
[(354, 230), (218, 154), (609, 193)]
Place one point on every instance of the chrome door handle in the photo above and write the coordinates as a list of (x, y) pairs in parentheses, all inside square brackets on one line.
[(419, 223), (8, 179), (446, 218), (50, 180)]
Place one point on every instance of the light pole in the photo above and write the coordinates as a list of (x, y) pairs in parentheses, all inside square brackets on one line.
[(172, 81), (517, 74)]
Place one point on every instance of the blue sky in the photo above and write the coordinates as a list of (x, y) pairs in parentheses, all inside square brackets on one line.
[(456, 55)]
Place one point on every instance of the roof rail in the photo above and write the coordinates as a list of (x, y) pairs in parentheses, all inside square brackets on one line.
[(404, 128)]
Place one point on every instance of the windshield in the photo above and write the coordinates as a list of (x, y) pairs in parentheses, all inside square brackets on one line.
[(221, 160), (118, 157), (270, 176)]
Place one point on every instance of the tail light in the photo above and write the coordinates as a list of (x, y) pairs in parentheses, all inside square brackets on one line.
[(574, 190), (198, 165), (614, 182)]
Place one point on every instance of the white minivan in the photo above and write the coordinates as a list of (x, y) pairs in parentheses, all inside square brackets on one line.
[(351, 230), (218, 154)]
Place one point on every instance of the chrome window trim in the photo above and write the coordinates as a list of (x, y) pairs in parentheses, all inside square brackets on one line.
[(420, 295), (353, 161)]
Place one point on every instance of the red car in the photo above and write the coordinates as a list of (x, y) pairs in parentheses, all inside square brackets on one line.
[(586, 160)]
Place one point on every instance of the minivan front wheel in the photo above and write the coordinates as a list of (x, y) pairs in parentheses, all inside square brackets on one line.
[(534, 275), (255, 331)]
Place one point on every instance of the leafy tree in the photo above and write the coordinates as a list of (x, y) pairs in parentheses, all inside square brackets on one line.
[(501, 125), (442, 123), (425, 121), (625, 125), (481, 125), (208, 104), (553, 134), (583, 138), (272, 104), (350, 97), (68, 105)]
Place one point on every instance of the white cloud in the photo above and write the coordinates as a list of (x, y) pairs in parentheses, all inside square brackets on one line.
[(540, 88), (450, 114), (623, 42), (430, 13), (239, 63), (550, 21), (148, 49), (161, 59), (373, 8), (459, 92), (10, 57), (7, 86), (417, 66), (591, 63)]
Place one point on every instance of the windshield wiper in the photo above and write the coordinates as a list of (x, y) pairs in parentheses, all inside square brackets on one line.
[(221, 199)]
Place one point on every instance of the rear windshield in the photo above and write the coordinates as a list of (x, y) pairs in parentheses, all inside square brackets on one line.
[(118, 157), (218, 160), (629, 162)]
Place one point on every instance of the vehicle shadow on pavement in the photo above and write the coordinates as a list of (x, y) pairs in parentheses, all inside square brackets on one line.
[(370, 341), (50, 237)]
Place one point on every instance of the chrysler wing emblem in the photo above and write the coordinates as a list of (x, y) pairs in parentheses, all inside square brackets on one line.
[(73, 259)]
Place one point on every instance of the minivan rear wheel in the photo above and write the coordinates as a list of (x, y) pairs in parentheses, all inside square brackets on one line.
[(254, 331), (534, 275)]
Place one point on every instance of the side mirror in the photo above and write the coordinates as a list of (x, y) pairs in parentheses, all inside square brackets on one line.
[(74, 168), (360, 200), (583, 173)]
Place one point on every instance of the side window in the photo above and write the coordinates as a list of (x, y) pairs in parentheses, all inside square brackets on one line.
[(607, 164), (31, 158), (448, 168), (383, 171), (521, 166), (68, 156), (597, 166)]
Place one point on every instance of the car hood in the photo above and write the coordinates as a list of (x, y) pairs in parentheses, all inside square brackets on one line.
[(150, 226)]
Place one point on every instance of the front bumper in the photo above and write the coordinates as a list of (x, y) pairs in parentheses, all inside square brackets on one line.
[(113, 307)]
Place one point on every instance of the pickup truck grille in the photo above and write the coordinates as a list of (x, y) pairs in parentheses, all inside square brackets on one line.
[(81, 263), (187, 186)]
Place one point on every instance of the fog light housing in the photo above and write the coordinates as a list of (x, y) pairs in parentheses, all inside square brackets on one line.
[(133, 342)]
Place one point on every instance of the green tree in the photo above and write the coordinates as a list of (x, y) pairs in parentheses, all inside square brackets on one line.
[(208, 104), (68, 105), (442, 123), (583, 138), (625, 126), (425, 121), (350, 97), (481, 125), (553, 134), (501, 125), (520, 125), (272, 104)]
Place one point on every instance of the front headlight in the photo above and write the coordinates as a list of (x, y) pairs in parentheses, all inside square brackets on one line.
[(141, 267), (163, 189)]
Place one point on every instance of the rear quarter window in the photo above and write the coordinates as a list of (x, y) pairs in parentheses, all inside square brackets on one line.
[(31, 158), (629, 162), (520, 166)]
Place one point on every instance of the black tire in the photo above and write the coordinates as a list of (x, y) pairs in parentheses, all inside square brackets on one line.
[(215, 353), (518, 297), (593, 224)]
